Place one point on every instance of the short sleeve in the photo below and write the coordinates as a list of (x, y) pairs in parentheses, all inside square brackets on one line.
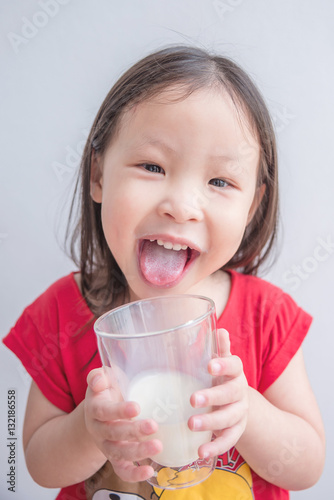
[(287, 327), (39, 350)]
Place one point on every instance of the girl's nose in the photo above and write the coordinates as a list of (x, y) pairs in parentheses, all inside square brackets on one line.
[(183, 205)]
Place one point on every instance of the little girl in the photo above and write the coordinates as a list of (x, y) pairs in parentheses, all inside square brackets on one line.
[(178, 194)]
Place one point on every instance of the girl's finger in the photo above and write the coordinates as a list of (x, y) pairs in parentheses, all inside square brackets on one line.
[(223, 341), (127, 430), (131, 450), (223, 418), (228, 366), (101, 379), (131, 473), (97, 380), (106, 409), (227, 439), (219, 395)]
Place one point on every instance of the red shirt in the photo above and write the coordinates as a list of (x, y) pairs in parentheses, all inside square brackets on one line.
[(55, 341)]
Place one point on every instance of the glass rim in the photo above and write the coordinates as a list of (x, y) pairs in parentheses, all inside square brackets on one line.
[(101, 333)]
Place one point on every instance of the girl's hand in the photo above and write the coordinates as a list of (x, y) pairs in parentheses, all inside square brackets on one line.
[(122, 440), (228, 398)]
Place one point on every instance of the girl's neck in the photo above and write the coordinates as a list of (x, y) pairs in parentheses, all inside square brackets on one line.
[(217, 287)]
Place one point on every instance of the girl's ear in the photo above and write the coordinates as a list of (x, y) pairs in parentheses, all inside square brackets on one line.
[(256, 202), (96, 177)]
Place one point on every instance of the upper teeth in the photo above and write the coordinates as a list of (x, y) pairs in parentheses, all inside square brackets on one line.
[(171, 246)]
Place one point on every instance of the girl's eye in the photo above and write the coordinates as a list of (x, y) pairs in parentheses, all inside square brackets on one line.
[(150, 167), (218, 183)]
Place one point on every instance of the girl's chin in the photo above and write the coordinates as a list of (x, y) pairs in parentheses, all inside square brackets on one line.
[(146, 290)]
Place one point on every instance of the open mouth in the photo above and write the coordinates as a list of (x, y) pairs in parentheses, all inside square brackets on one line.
[(164, 263)]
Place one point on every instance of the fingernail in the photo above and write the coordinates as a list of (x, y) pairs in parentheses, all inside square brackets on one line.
[(95, 381), (146, 427), (197, 424), (215, 368), (131, 410), (199, 399)]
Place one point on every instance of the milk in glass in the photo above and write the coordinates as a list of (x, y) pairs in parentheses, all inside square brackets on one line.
[(165, 397)]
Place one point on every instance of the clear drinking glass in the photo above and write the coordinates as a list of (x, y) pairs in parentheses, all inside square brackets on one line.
[(157, 351)]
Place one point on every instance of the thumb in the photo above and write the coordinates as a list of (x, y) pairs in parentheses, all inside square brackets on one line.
[(223, 343), (97, 380)]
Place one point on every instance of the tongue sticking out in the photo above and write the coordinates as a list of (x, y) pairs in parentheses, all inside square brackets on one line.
[(159, 265)]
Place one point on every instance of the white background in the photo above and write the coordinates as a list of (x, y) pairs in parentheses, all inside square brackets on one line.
[(57, 64)]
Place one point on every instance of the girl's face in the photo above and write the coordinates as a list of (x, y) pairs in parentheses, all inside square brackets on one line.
[(178, 187)]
